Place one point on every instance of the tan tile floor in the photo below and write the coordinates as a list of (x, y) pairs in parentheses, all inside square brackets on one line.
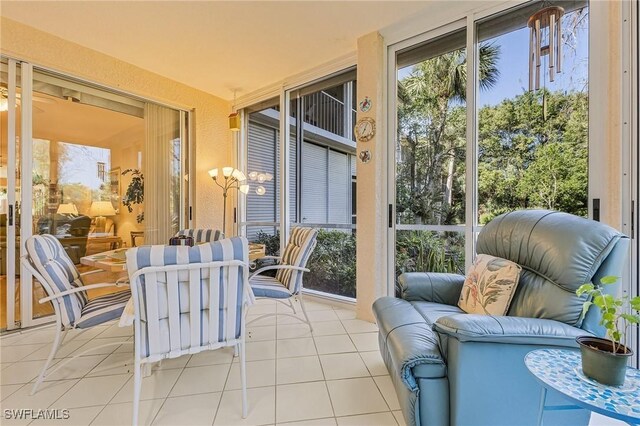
[(333, 376)]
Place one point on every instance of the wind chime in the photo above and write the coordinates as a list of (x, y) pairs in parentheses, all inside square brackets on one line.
[(545, 39)]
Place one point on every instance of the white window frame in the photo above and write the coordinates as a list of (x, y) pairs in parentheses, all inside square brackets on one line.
[(283, 91), (631, 151), (469, 20)]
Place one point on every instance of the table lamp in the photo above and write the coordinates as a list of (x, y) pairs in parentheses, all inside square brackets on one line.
[(99, 210), (67, 209)]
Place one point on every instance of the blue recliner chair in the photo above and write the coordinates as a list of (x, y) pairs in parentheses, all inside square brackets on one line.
[(453, 368)]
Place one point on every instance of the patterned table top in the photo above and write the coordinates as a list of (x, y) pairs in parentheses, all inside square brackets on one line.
[(561, 370)]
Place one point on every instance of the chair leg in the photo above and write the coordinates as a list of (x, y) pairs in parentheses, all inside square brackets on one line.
[(243, 378), (304, 311), (137, 386), (146, 370), (292, 306), (56, 345)]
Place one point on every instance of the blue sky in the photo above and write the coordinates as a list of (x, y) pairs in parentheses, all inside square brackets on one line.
[(83, 165), (514, 67)]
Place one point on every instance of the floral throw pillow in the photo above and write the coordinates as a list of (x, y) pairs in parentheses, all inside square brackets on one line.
[(489, 286)]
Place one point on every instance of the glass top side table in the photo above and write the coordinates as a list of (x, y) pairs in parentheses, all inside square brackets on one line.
[(561, 370)]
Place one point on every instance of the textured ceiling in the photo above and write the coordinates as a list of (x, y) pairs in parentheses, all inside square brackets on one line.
[(215, 46)]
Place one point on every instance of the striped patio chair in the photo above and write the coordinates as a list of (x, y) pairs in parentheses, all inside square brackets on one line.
[(287, 283), (187, 300), (50, 264), (201, 235)]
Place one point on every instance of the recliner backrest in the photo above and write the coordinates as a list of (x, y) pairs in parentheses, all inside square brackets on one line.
[(558, 253)]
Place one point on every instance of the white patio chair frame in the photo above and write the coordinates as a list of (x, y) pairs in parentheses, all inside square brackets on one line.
[(56, 299), (297, 294), (149, 273)]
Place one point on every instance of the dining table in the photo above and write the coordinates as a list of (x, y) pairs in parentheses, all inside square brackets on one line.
[(115, 261)]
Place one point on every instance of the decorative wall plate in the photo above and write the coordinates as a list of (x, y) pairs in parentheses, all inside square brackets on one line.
[(365, 129), (365, 104), (365, 156)]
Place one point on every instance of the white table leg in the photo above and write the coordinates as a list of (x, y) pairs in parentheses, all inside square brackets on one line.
[(543, 400)]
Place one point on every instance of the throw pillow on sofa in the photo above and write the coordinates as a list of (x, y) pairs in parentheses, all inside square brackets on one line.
[(489, 286)]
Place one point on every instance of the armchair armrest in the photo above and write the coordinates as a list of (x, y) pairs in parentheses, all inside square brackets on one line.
[(82, 288), (268, 268), (508, 330), (431, 287), (276, 258)]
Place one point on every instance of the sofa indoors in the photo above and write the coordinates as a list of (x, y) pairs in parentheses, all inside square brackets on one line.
[(72, 231), (453, 368)]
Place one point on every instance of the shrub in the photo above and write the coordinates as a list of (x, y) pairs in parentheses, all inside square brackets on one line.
[(333, 262)]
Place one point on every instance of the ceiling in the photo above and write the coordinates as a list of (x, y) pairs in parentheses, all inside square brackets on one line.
[(60, 120), (67, 121), (215, 46)]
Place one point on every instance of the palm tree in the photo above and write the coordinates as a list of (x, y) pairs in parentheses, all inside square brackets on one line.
[(429, 92), (445, 76)]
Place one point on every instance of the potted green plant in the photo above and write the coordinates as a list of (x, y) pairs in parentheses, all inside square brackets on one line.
[(135, 192), (605, 359)]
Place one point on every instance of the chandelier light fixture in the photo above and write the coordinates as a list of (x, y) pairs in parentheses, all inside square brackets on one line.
[(545, 39)]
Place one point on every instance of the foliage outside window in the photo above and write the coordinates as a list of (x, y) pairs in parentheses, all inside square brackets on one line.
[(532, 146)]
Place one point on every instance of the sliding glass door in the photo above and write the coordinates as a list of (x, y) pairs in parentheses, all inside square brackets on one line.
[(313, 180), (473, 140), (431, 155), (533, 145), (99, 170), (323, 168), (10, 132), (263, 170)]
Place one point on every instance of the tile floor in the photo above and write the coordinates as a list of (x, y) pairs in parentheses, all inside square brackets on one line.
[(334, 376)]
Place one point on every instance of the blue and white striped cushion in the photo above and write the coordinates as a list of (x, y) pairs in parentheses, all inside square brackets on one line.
[(165, 300), (53, 263), (265, 286), (103, 309), (301, 244), (201, 235)]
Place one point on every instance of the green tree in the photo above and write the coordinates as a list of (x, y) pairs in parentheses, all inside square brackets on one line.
[(529, 159), (432, 134)]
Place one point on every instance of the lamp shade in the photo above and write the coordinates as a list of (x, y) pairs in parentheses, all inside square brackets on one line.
[(238, 175), (226, 171), (67, 208), (102, 208), (213, 173)]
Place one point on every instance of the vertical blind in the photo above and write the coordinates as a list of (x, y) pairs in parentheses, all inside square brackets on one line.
[(162, 131)]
